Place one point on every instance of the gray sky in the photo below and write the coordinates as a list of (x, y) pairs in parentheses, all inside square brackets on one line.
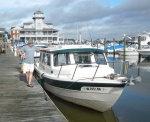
[(92, 18)]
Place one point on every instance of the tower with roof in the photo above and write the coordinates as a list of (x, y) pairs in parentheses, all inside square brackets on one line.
[(38, 18)]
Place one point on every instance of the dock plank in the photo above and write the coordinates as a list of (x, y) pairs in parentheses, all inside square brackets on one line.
[(19, 103)]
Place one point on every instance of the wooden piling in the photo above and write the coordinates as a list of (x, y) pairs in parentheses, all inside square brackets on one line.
[(124, 49), (139, 47), (114, 47), (124, 54), (105, 45)]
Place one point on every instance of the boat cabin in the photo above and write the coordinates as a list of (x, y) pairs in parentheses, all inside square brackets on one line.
[(66, 60), (73, 56)]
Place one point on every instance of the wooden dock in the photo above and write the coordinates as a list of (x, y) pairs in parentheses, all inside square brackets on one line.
[(19, 103)]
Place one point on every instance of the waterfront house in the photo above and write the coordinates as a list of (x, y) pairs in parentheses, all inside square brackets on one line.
[(38, 30)]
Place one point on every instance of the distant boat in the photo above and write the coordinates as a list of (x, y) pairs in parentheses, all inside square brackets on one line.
[(112, 48), (133, 50), (144, 37), (130, 50)]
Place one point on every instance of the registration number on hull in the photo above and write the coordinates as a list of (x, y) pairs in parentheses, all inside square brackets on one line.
[(96, 89)]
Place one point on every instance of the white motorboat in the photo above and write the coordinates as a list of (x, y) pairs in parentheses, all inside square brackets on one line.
[(130, 50), (110, 49), (80, 74), (144, 38), (133, 50), (114, 48)]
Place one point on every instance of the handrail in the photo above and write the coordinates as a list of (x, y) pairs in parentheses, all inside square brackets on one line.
[(59, 71), (89, 64), (74, 72), (95, 72)]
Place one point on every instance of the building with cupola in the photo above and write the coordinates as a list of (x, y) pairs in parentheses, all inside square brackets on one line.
[(37, 30)]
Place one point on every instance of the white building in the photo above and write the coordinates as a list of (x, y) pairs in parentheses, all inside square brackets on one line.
[(39, 31)]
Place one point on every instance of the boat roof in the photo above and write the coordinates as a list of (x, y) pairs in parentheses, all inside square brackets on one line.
[(74, 49)]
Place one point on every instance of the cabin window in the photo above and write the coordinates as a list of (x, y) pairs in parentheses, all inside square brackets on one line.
[(82, 58), (60, 59), (46, 59), (99, 58), (43, 59)]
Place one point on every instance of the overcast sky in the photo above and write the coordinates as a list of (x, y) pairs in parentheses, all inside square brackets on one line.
[(92, 18)]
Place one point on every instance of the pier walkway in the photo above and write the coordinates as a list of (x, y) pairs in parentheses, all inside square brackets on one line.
[(19, 103)]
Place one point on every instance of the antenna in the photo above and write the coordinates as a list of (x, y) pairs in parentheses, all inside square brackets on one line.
[(77, 33), (89, 34)]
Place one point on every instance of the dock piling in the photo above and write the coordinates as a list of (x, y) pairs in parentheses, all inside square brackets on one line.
[(139, 47)]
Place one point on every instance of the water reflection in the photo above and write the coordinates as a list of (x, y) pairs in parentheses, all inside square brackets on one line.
[(133, 60), (145, 63), (76, 113), (134, 103)]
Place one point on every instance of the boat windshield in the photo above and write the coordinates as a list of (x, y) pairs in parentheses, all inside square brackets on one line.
[(60, 59), (81, 58), (100, 59), (88, 58)]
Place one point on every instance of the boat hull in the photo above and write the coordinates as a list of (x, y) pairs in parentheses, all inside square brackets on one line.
[(144, 53), (97, 96), (96, 101), (128, 53)]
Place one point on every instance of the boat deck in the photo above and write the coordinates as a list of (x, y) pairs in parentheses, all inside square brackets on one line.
[(20, 103), (86, 79)]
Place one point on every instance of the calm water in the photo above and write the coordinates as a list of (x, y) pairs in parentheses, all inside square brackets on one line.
[(132, 106), (134, 103)]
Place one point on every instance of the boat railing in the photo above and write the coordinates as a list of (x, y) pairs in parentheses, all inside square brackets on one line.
[(123, 68), (60, 69), (74, 72), (95, 72)]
